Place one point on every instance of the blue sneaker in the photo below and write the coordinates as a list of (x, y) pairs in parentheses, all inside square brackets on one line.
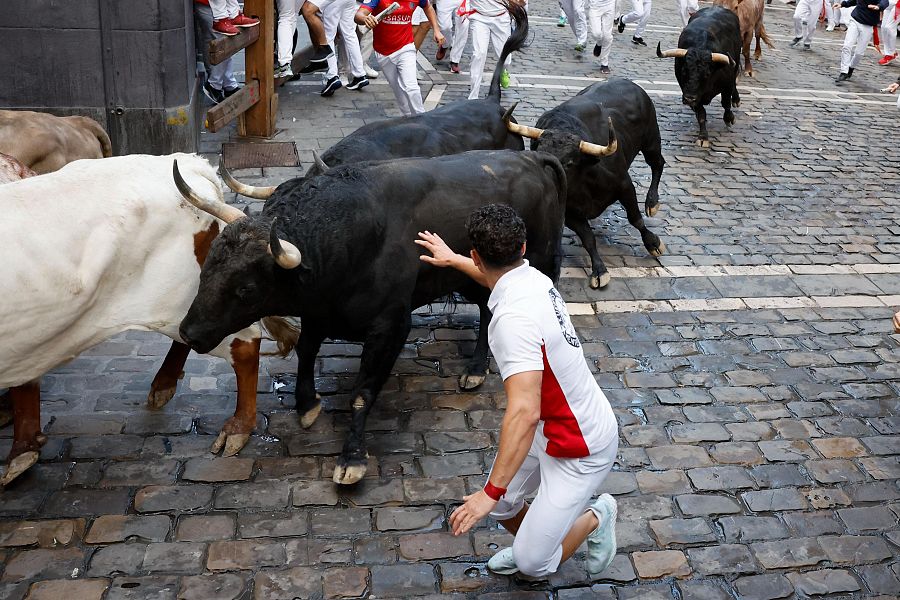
[(503, 563), (601, 542), (563, 21)]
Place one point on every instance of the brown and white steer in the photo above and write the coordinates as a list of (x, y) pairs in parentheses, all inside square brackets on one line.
[(750, 14), (13, 170), (98, 248), (45, 143)]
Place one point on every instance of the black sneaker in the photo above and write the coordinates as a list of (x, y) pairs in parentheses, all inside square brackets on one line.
[(806, 46), (604, 69), (358, 83), (842, 78), (229, 92), (795, 41), (322, 54), (314, 67), (849, 72), (621, 23), (212, 93), (597, 49), (331, 86), (638, 41)]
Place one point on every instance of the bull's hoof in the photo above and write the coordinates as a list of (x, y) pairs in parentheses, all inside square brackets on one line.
[(309, 417), (659, 250), (231, 442), (748, 73), (736, 103), (157, 399), (729, 118), (600, 281), (468, 381), (19, 465), (703, 143), (651, 210), (350, 473)]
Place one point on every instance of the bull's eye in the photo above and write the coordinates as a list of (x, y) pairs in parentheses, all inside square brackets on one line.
[(245, 291)]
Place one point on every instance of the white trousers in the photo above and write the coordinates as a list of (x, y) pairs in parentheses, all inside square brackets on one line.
[(339, 15), (806, 17), (454, 28), (889, 21), (575, 13), (460, 37), (224, 9), (485, 30), (399, 69), (640, 14), (564, 490), (855, 42), (220, 76), (287, 25), (601, 14), (686, 8)]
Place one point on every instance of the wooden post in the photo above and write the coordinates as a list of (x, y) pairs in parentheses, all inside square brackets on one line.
[(259, 120)]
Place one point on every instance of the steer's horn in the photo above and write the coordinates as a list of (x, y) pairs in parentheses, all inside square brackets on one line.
[(523, 130), (319, 162), (718, 57), (597, 149), (675, 53), (260, 193), (216, 208), (509, 111), (286, 254)]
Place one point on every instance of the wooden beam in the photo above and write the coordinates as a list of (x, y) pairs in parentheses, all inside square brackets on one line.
[(226, 111), (222, 48), (259, 120)]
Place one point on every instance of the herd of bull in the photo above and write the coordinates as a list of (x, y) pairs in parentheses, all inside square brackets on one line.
[(147, 242)]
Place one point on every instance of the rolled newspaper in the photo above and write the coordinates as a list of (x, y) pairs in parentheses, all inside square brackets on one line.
[(394, 6)]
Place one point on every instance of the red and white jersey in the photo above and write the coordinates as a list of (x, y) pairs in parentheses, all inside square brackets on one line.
[(531, 331)]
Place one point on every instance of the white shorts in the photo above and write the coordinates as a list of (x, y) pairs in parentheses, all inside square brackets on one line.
[(564, 487)]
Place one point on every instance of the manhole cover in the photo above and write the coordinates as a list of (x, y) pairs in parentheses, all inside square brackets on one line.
[(268, 154)]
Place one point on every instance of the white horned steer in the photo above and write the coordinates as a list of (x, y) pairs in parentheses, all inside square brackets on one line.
[(97, 248)]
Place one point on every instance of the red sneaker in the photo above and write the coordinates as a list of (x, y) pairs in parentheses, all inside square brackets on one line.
[(242, 20), (225, 27), (887, 58)]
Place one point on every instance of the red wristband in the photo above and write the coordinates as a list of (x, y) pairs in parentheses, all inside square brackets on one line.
[(493, 492)]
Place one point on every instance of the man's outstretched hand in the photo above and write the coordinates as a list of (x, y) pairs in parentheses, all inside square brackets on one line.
[(441, 254), (477, 506)]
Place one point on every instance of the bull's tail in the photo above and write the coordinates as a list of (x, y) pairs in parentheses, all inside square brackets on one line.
[(284, 332), (515, 42), (562, 191), (762, 35), (101, 135)]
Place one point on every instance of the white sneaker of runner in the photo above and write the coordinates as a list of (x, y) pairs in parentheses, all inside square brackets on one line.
[(602, 541), (503, 563)]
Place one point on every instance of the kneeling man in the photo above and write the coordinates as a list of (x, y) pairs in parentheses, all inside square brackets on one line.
[(559, 435)]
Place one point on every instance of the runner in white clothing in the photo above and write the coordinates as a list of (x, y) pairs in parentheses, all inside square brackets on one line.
[(601, 14), (488, 24), (559, 436)]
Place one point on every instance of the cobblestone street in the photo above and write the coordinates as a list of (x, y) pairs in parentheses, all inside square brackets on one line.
[(753, 370)]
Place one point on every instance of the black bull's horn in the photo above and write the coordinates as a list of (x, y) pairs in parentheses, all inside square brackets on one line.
[(285, 253), (251, 191), (717, 57), (586, 147)]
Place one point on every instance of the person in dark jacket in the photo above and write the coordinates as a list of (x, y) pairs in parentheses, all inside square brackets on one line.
[(864, 20)]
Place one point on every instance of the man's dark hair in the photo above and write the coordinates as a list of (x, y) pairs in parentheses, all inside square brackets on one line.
[(497, 234)]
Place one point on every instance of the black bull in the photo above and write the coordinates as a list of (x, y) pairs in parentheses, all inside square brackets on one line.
[(706, 63), (360, 275), (620, 112)]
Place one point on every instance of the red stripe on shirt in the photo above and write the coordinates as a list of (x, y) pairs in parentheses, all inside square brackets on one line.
[(564, 438)]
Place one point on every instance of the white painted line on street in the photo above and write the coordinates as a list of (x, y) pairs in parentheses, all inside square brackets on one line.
[(434, 96), (424, 62), (720, 304), (738, 270)]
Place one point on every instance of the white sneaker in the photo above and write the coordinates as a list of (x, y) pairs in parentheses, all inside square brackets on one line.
[(830, 27), (370, 72), (602, 541), (503, 563)]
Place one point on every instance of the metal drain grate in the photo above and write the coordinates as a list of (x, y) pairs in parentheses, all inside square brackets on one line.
[(269, 154)]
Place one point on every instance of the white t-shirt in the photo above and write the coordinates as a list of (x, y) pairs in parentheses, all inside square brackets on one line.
[(531, 331)]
